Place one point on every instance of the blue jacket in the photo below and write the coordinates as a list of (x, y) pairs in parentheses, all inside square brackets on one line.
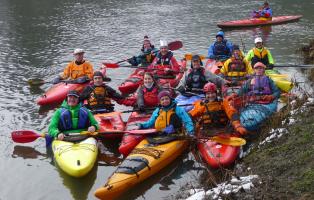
[(180, 112), (211, 54)]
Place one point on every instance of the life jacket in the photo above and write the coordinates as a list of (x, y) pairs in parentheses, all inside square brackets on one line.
[(236, 67), (164, 60), (65, 122), (99, 98), (76, 70), (260, 56), (148, 58), (166, 118), (150, 96), (220, 48), (214, 114), (196, 78), (261, 86)]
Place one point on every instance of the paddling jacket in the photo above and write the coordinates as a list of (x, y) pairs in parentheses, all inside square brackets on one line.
[(264, 13), (173, 114), (99, 97), (210, 113), (76, 70), (259, 85), (148, 97), (196, 79), (236, 68), (167, 61), (259, 55), (223, 48), (71, 119), (145, 58)]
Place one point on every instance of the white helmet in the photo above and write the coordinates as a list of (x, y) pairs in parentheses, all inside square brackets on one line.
[(163, 43), (258, 39), (77, 51)]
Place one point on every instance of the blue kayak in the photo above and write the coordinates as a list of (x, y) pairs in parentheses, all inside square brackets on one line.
[(188, 101), (253, 115)]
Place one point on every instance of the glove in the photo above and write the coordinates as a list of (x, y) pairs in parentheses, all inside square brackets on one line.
[(181, 89), (132, 61), (169, 129), (56, 80), (270, 66), (238, 127), (82, 79), (142, 108), (269, 98)]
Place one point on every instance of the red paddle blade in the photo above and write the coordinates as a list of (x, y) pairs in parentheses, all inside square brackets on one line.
[(142, 132), (175, 45), (111, 65), (24, 136)]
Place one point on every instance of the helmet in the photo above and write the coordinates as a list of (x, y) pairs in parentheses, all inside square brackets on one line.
[(73, 93), (259, 64), (98, 73), (235, 47), (210, 87), (163, 43), (196, 57), (220, 33), (77, 51), (258, 39)]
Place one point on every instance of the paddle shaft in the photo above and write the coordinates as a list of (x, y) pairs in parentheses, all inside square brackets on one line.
[(296, 66)]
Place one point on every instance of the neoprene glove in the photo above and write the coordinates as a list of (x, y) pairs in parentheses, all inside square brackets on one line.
[(169, 129)]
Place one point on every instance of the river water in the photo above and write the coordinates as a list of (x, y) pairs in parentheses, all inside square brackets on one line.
[(37, 39)]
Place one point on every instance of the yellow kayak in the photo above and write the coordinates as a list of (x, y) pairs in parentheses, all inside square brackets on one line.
[(75, 159), (281, 80), (143, 162)]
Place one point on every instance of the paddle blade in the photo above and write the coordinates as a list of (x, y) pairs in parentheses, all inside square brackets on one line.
[(189, 56), (111, 65), (36, 81), (25, 136), (142, 131), (232, 141), (175, 45)]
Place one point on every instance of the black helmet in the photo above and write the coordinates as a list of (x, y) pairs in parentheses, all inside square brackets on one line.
[(73, 93), (196, 57), (235, 47), (98, 73)]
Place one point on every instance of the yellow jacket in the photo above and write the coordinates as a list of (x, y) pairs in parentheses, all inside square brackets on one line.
[(245, 68), (74, 71)]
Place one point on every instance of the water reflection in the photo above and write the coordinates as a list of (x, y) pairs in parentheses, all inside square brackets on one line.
[(27, 152)]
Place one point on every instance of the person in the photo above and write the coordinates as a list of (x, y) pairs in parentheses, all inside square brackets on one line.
[(147, 55), (260, 54), (210, 112), (147, 94), (260, 88), (78, 69), (236, 68), (99, 95), (164, 62), (265, 12), (168, 117), (195, 79), (221, 49), (71, 117)]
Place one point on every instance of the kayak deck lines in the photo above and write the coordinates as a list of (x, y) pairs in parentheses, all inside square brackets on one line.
[(155, 153)]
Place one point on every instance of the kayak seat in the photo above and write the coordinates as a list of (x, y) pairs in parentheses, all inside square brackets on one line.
[(133, 165), (160, 139)]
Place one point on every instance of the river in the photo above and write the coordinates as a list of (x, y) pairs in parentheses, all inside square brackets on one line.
[(37, 39)]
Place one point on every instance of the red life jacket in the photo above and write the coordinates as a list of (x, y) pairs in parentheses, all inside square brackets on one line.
[(150, 97)]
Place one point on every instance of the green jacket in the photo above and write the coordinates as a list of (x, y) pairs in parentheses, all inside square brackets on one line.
[(250, 55), (53, 126)]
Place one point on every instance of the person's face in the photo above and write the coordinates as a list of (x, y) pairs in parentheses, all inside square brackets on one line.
[(148, 79), (259, 70), (98, 81), (72, 100), (259, 45), (196, 64), (146, 45), (211, 96), (165, 101), (163, 50), (236, 53), (219, 39), (79, 57)]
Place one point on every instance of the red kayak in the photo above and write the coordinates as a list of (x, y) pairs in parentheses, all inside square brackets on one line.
[(111, 124), (131, 84), (213, 66), (129, 141), (216, 154), (258, 22)]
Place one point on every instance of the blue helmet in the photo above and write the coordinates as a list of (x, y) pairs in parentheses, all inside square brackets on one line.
[(220, 33)]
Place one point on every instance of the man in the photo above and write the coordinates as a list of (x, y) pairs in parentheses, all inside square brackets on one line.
[(221, 49), (260, 54), (71, 118), (263, 13), (78, 69)]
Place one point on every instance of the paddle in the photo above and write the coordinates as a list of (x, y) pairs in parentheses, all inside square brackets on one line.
[(296, 66), (189, 56), (175, 45)]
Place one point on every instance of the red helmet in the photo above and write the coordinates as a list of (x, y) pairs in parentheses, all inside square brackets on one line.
[(210, 87)]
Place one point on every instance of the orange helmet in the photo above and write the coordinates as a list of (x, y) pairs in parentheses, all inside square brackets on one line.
[(210, 87)]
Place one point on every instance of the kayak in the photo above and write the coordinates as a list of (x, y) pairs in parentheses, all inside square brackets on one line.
[(188, 101), (143, 162), (111, 124), (258, 22), (75, 159), (131, 84), (213, 66), (281, 80), (58, 92), (129, 141), (218, 155)]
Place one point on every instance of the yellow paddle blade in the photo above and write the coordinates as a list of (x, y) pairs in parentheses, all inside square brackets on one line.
[(89, 133), (189, 56), (232, 141)]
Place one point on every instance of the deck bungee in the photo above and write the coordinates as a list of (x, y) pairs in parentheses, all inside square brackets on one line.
[(143, 162), (258, 22), (75, 159), (111, 124)]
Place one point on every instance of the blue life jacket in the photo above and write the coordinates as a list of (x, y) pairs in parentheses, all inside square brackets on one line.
[(220, 48), (65, 122)]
